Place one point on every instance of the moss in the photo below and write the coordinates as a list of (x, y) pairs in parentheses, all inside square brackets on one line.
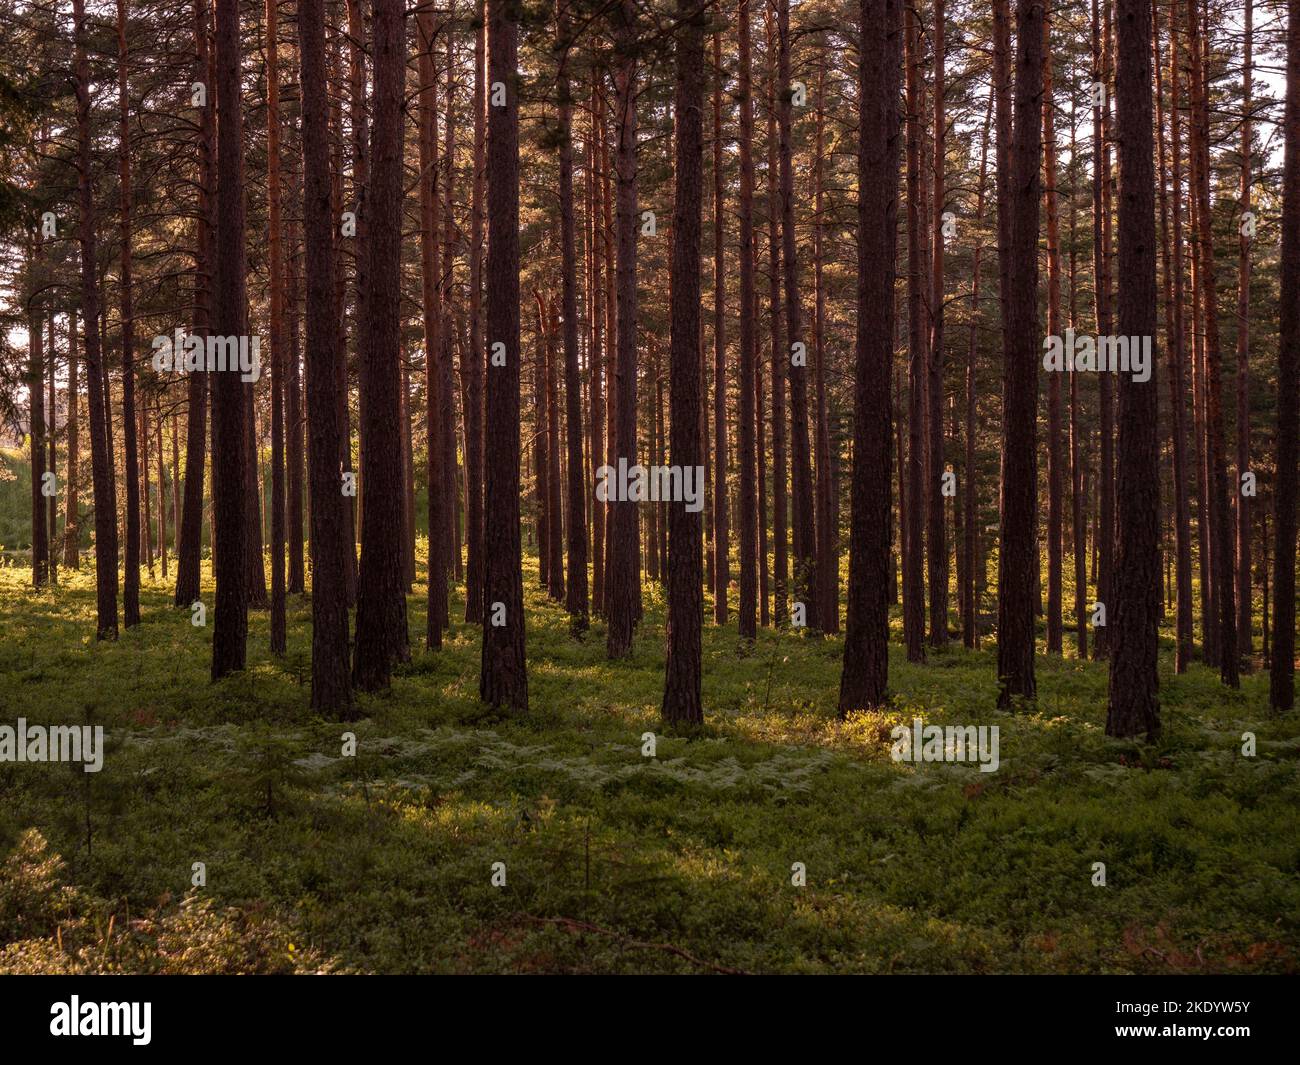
[(615, 862)]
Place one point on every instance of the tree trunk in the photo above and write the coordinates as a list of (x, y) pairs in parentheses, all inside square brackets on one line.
[(1244, 597), (917, 356), (1177, 361), (474, 391), (36, 427), (866, 636), (1055, 460), (827, 551), (1281, 692), (1101, 231), (747, 418), (1079, 523), (1018, 555), (101, 456), (1220, 515), (1133, 702), (430, 256), (555, 524), (503, 679), (597, 351), (937, 546), (190, 533), (71, 517), (721, 527), (576, 602), (794, 355), (681, 703), (780, 353), (622, 591), (230, 502), (131, 453), (970, 511), (275, 268), (294, 425), (381, 634), (331, 693)]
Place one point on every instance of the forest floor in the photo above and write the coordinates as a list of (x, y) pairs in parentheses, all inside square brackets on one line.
[(614, 861)]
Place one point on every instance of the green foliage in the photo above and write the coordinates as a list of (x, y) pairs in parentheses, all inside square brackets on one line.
[(616, 862)]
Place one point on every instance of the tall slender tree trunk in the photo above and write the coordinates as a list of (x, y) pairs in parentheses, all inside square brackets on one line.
[(100, 453), (970, 510), (597, 350), (190, 534), (1209, 622), (864, 680), (162, 487), (1079, 524), (451, 493), (36, 429), (937, 554), (1133, 702), (275, 268), (795, 355), (229, 396), (295, 420), (381, 634), (1177, 362), (540, 450), (917, 359), (131, 453), (430, 258), (503, 679), (1245, 599), (474, 389), (1101, 230), (331, 693), (72, 483), (1018, 555), (576, 588), (827, 551), (681, 703), (1220, 515), (1055, 459), (721, 524), (550, 405), (1281, 691), (780, 353), (749, 516), (622, 593)]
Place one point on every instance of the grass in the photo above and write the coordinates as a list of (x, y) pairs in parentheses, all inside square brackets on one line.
[(615, 862)]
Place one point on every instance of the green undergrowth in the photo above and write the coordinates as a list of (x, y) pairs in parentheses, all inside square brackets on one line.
[(615, 862)]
